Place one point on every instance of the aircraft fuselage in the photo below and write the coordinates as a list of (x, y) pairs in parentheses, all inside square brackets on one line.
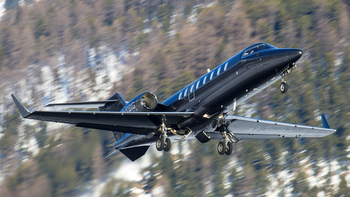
[(228, 85)]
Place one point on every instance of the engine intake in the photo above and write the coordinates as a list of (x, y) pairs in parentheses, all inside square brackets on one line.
[(149, 100), (145, 101)]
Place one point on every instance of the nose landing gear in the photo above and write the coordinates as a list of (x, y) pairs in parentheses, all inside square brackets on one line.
[(284, 85)]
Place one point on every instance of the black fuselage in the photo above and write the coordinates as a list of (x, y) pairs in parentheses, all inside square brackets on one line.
[(243, 78), (229, 84)]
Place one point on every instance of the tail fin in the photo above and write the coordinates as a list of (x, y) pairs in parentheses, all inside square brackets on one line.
[(115, 106)]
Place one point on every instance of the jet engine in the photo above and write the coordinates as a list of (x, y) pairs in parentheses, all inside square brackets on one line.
[(144, 102)]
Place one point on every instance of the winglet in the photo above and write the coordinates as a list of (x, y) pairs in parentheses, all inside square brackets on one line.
[(22, 109), (325, 123)]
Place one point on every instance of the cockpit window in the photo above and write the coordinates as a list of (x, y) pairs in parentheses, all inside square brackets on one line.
[(256, 48)]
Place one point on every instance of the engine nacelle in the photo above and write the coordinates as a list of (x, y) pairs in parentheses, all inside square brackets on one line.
[(145, 102)]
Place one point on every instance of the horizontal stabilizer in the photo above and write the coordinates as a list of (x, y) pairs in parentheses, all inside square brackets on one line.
[(115, 103), (325, 123), (84, 104), (111, 154), (135, 153), (116, 150), (22, 109)]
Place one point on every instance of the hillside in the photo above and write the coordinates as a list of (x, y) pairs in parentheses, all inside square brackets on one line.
[(57, 51)]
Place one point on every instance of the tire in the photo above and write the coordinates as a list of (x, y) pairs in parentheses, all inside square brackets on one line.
[(221, 148), (229, 148), (284, 87), (167, 145), (159, 144)]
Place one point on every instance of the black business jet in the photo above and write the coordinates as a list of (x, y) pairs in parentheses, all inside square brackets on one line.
[(200, 110)]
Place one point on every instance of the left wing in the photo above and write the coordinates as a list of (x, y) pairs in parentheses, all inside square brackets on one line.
[(251, 128), (128, 122)]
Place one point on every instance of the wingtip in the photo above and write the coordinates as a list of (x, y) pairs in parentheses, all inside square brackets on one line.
[(21, 108)]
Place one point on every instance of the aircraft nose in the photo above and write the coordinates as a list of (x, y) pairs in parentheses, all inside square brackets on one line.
[(294, 54)]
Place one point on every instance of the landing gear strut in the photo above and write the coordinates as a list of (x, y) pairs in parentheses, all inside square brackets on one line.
[(225, 146), (163, 142)]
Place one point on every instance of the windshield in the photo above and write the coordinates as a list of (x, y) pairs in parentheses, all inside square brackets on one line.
[(256, 48)]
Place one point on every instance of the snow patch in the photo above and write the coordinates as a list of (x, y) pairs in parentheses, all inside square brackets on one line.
[(131, 171), (2, 8)]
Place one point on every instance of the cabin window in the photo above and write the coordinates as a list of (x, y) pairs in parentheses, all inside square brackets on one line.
[(186, 92), (192, 88), (211, 76), (218, 71), (205, 78), (180, 95), (225, 66), (198, 84)]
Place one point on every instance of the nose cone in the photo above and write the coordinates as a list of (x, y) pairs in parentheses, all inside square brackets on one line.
[(294, 54)]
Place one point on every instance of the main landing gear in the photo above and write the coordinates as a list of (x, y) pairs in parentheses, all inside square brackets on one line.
[(163, 142), (225, 146)]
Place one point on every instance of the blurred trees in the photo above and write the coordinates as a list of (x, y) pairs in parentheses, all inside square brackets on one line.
[(10, 131), (168, 62), (42, 135)]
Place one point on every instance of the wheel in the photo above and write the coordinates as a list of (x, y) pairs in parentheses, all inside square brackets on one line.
[(221, 148), (284, 87), (229, 148), (160, 144), (167, 145)]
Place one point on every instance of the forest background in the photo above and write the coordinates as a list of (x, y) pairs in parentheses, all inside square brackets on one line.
[(171, 43)]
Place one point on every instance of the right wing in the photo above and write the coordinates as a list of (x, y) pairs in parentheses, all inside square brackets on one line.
[(128, 122), (252, 128)]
